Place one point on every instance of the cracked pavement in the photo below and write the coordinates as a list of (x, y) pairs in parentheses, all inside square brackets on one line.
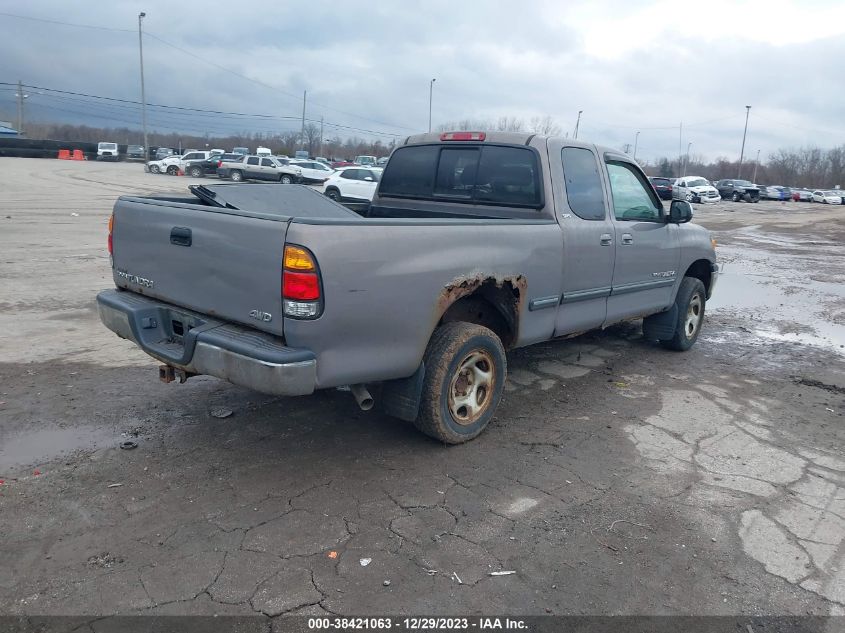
[(617, 478)]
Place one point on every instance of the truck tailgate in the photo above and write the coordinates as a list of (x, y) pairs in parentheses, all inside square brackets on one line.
[(221, 262)]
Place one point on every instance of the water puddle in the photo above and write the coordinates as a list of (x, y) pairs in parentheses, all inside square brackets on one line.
[(780, 302), (41, 445)]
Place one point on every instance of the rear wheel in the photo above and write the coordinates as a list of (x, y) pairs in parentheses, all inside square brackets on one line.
[(237, 176), (173, 170), (196, 172), (690, 303), (465, 370)]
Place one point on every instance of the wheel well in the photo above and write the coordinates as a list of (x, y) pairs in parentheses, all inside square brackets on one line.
[(700, 269), (488, 302)]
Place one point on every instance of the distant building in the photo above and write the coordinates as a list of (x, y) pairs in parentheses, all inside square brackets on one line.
[(7, 131)]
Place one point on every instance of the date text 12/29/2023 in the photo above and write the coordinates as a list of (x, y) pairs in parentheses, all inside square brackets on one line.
[(416, 624)]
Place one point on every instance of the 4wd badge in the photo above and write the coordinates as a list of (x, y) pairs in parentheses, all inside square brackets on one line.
[(266, 317)]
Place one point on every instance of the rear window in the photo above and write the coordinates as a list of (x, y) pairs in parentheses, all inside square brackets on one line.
[(481, 174), (660, 181)]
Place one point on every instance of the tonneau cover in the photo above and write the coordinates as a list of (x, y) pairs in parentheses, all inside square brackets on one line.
[(278, 199)]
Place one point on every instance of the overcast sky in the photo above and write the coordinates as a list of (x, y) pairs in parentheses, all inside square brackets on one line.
[(628, 65)]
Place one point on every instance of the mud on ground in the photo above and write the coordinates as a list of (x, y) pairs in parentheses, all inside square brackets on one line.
[(617, 477)]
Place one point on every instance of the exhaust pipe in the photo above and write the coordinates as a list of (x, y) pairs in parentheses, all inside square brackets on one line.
[(362, 397)]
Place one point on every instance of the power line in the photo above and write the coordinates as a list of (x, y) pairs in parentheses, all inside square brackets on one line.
[(211, 63)]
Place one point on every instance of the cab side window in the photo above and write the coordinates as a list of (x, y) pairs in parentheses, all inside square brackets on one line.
[(252, 160), (266, 162), (632, 199), (583, 183)]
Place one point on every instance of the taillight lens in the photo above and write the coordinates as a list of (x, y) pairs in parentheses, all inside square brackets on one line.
[(301, 288), (110, 240)]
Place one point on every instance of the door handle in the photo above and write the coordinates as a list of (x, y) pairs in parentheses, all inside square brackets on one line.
[(627, 238), (606, 239), (180, 236)]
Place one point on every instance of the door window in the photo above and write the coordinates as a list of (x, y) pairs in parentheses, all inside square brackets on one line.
[(266, 162), (632, 199), (252, 160), (583, 183)]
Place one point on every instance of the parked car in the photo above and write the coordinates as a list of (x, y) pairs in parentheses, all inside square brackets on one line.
[(170, 165), (107, 151), (312, 171), (322, 159), (827, 197), (802, 195), (369, 161), (259, 168), (493, 259), (300, 154), (736, 190), (382, 161), (134, 152), (663, 186), (769, 193), (337, 164), (694, 189), (243, 151), (353, 184), (203, 167), (164, 152)]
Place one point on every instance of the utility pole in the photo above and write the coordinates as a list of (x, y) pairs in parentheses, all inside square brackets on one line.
[(321, 136), (302, 133), (636, 139), (577, 124), (21, 96), (430, 100), (141, 16), (680, 143), (686, 162), (742, 151), (756, 162)]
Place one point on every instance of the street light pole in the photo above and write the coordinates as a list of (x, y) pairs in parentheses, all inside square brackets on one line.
[(141, 16), (430, 99), (636, 139), (578, 123), (686, 162), (302, 132), (742, 151), (321, 136), (756, 162), (21, 96)]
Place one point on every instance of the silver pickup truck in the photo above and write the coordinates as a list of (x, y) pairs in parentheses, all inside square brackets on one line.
[(475, 243)]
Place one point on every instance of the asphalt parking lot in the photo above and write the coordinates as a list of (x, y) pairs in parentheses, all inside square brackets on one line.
[(617, 477)]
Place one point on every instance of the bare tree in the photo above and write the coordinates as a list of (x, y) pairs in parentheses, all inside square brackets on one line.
[(546, 126)]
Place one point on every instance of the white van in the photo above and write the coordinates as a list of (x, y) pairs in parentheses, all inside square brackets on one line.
[(107, 151), (263, 151)]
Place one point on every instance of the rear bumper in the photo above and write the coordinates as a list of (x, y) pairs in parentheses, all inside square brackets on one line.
[(240, 355)]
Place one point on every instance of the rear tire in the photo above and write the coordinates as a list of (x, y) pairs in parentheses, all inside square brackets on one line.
[(690, 302), (173, 170), (196, 172), (237, 176), (465, 371)]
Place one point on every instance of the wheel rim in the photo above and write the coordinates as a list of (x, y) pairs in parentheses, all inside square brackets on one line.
[(236, 176), (689, 197), (154, 169), (471, 387), (286, 180), (195, 173), (694, 314)]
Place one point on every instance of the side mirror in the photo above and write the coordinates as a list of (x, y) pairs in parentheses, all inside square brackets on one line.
[(680, 211)]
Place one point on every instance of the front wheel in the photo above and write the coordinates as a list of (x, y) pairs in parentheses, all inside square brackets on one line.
[(735, 197), (155, 169), (334, 194), (465, 371), (285, 179), (690, 198), (237, 176), (690, 303)]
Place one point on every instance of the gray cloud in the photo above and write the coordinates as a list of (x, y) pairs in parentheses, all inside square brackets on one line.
[(374, 61)]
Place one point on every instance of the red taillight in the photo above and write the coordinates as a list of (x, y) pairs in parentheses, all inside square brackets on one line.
[(219, 163), (111, 229), (111, 248), (301, 286), (463, 136)]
